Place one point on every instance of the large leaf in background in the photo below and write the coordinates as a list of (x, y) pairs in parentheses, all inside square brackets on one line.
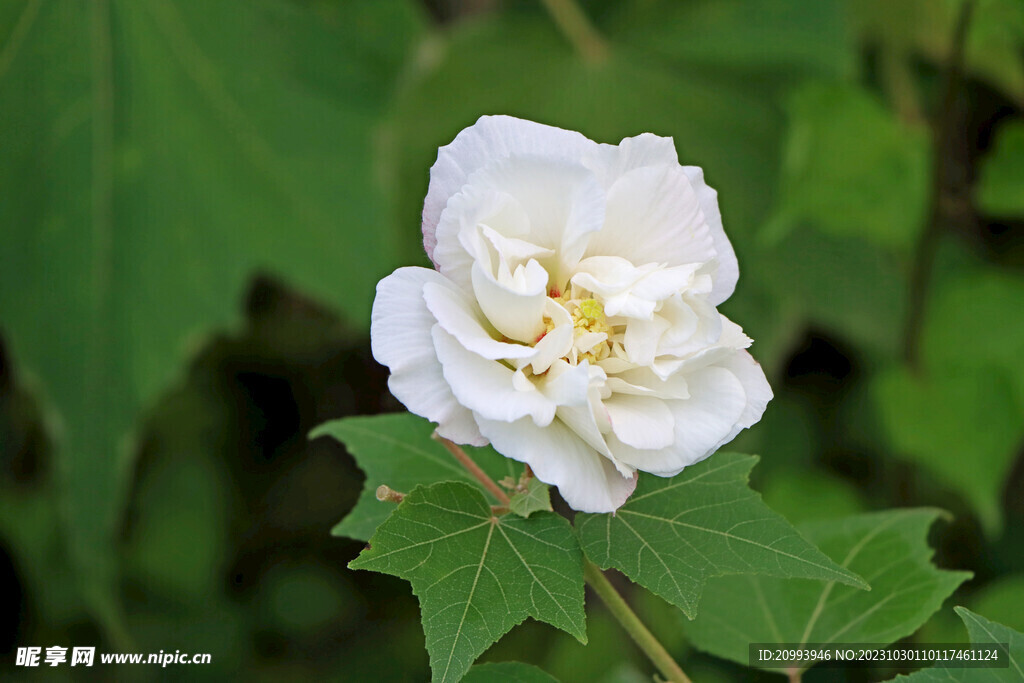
[(477, 575), (888, 549), (716, 125), (841, 284), (1003, 600), (926, 27), (973, 321), (811, 494), (155, 154), (396, 450), (963, 426), (751, 36), (982, 632), (851, 168), (1000, 189), (673, 534)]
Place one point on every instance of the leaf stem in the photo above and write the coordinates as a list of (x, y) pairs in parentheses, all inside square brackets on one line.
[(473, 468), (575, 26), (628, 619)]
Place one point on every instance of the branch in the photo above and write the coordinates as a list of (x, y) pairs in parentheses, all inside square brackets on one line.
[(950, 187)]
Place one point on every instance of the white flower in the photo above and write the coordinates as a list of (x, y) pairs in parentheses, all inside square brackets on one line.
[(571, 317)]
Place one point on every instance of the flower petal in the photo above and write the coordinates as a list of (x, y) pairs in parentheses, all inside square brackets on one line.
[(587, 481), (491, 138), (400, 338), (515, 308), (564, 202), (554, 344), (470, 214), (702, 423), (728, 268), (488, 387), (755, 385), (612, 161), (654, 215), (641, 421), (457, 315)]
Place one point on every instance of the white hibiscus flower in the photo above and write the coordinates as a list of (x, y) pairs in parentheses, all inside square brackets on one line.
[(571, 317)]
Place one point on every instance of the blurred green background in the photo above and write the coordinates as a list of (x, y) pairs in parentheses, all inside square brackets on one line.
[(197, 198)]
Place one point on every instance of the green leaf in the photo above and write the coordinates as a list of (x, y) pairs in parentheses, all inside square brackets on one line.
[(155, 155), (535, 498), (477, 575), (982, 632), (973, 322), (1000, 189), (964, 426), (841, 283), (1003, 600), (755, 36), (809, 494), (507, 672), (397, 450), (851, 168), (888, 549), (674, 534)]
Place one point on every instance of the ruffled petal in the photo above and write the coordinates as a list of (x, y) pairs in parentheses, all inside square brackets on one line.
[(641, 421), (728, 268), (755, 385), (492, 138), (488, 387), (460, 318), (469, 212), (514, 305), (563, 201), (587, 481), (654, 215), (610, 162), (702, 423), (400, 338)]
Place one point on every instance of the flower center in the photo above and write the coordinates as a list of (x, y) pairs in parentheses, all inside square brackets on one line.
[(591, 331), (588, 316)]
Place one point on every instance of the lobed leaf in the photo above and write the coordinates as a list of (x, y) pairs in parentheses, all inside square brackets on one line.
[(982, 632), (397, 450), (674, 534), (477, 575), (888, 548)]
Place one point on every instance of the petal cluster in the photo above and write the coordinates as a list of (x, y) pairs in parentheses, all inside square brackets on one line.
[(571, 317)]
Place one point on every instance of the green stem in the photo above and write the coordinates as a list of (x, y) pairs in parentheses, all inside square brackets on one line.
[(573, 23), (628, 619), (474, 469)]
